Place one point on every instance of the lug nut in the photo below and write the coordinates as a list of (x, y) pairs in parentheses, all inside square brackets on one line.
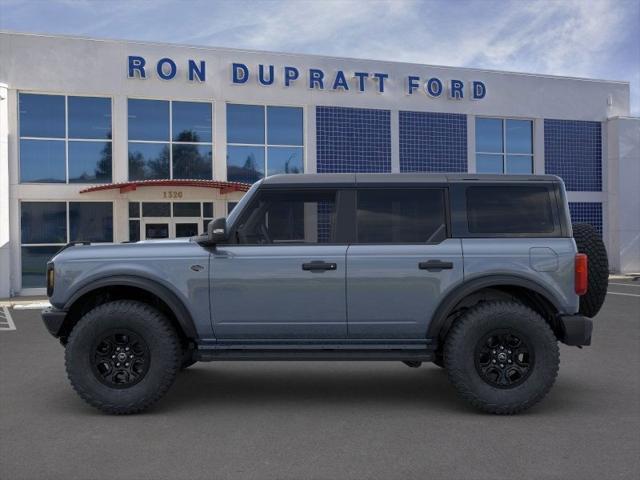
[(126, 364), (493, 361), (493, 351), (502, 365), (509, 361), (501, 347), (130, 356), (127, 349), (113, 356), (118, 364), (117, 349), (508, 351)]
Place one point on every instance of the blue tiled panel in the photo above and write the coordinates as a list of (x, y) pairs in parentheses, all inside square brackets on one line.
[(573, 151), (433, 142), (353, 140), (587, 212)]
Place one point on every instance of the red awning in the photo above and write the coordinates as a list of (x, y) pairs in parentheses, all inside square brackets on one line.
[(224, 187)]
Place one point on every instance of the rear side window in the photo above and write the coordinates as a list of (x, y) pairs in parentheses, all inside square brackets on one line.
[(401, 216), (509, 210)]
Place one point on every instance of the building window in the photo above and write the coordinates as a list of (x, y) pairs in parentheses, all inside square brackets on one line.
[(148, 220), (47, 226), (263, 141), (504, 146), (65, 139), (170, 139)]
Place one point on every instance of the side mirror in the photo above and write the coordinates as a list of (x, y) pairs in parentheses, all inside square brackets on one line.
[(217, 231)]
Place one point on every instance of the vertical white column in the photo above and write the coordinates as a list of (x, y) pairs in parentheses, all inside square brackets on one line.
[(311, 162), (220, 140), (471, 144), (5, 243), (538, 146), (395, 141), (120, 154)]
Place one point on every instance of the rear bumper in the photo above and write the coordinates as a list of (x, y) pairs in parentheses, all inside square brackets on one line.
[(54, 319), (575, 330)]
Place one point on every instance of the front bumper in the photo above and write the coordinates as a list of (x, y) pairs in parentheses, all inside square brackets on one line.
[(575, 330), (54, 320)]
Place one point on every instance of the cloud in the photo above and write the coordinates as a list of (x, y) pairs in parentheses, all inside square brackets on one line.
[(588, 38)]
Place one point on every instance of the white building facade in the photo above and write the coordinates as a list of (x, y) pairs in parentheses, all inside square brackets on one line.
[(113, 141)]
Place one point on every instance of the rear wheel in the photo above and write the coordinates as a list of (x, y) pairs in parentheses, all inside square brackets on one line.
[(502, 357), (589, 242), (122, 356)]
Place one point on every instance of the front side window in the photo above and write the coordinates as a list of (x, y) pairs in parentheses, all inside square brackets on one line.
[(509, 210), (504, 146), (401, 216), (305, 217), (263, 141), (65, 139), (170, 140), (47, 226)]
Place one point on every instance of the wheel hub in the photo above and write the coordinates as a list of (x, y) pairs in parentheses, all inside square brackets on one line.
[(503, 358), (120, 358)]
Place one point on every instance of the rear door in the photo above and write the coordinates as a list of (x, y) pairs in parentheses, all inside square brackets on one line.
[(401, 263)]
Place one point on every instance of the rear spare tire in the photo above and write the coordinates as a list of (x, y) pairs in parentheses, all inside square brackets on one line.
[(590, 243)]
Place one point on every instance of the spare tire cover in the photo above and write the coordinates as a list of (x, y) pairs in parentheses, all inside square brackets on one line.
[(589, 242)]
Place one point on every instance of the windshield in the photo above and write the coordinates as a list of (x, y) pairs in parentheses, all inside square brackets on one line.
[(231, 218)]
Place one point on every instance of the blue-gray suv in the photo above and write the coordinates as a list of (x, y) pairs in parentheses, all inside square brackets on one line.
[(482, 275)]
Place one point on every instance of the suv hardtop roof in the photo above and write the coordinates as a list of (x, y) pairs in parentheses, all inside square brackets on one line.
[(352, 179)]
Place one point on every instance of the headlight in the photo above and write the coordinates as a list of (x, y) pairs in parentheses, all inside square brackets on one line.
[(51, 278)]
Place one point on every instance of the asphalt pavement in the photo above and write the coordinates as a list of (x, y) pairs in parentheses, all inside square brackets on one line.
[(325, 420)]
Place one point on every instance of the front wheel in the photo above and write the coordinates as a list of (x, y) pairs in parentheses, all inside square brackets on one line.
[(122, 356), (502, 357)]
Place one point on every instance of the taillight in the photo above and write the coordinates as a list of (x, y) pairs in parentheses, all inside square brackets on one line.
[(582, 276)]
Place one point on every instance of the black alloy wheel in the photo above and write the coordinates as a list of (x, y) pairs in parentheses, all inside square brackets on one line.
[(504, 359), (120, 359)]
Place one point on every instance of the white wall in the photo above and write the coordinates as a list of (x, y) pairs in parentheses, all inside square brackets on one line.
[(623, 157), (5, 246)]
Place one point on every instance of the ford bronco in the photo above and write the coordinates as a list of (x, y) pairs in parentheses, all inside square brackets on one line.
[(482, 275)]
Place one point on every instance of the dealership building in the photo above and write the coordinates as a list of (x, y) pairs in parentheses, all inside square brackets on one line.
[(115, 141)]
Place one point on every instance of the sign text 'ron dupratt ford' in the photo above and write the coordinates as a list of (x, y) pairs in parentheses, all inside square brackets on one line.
[(313, 78)]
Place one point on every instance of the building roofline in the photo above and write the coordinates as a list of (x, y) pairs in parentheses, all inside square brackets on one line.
[(317, 55)]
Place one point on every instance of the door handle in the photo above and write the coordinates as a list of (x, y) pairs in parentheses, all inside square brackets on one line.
[(435, 265), (319, 266)]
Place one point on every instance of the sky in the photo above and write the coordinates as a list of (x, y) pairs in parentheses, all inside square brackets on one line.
[(579, 38)]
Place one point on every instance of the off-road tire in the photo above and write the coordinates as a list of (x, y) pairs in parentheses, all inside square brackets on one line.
[(469, 331), (165, 355), (589, 242)]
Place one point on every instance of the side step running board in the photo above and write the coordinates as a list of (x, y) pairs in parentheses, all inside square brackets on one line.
[(417, 355)]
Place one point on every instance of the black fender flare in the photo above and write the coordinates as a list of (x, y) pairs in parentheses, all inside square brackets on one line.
[(440, 324), (176, 305)]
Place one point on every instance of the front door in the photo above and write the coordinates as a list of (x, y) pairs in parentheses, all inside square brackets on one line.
[(401, 264), (284, 276)]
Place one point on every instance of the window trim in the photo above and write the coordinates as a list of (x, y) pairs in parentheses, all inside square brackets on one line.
[(140, 218), (170, 142), (265, 146), (504, 152), (447, 216), (66, 139)]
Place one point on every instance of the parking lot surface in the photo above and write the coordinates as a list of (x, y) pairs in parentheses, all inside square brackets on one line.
[(326, 420)]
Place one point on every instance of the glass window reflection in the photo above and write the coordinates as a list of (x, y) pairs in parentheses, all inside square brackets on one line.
[(486, 163), (148, 119), (489, 135), (91, 221), (148, 161), (519, 136), (42, 161), (41, 115), (34, 265), (284, 126), (245, 124), (285, 160), (191, 122), (89, 162), (245, 164), (192, 161), (89, 117), (43, 222)]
